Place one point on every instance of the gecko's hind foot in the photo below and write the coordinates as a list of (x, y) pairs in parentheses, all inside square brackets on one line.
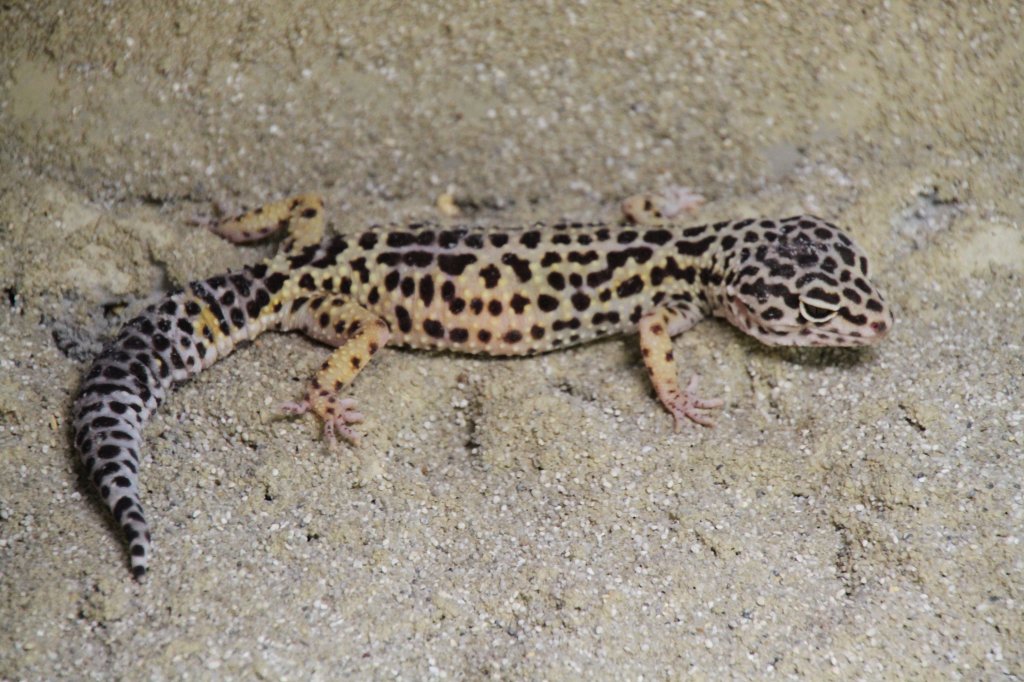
[(657, 209), (336, 413)]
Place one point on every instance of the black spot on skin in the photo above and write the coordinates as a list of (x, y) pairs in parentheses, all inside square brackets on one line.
[(580, 301), (627, 237), (404, 319), (483, 335), (168, 307), (520, 266), (692, 248), (537, 332), (772, 313), (498, 239), (458, 335), (397, 240), (447, 290), (448, 239), (368, 240), (530, 239), (192, 308), (874, 306), (454, 264), (306, 282), (576, 279), (657, 237), (389, 258), (433, 328), (391, 280), (858, 320), (427, 289), (847, 255), (822, 295), (631, 286), (561, 239), (112, 372), (583, 258), (258, 271), (237, 318), (476, 305), (519, 303), (513, 336), (408, 286), (596, 279), (335, 247), (559, 325), (547, 303), (358, 266), (122, 506), (852, 295), (304, 257), (556, 281), (419, 259), (491, 276), (346, 285), (324, 320), (728, 242), (373, 297), (457, 306), (108, 451), (474, 241), (550, 258), (494, 308)]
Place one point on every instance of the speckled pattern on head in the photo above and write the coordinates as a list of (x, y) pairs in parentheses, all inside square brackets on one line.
[(498, 291)]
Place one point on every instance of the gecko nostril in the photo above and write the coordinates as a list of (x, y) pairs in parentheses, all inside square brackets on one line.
[(879, 327)]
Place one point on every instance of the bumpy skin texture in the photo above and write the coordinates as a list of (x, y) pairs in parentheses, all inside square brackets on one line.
[(522, 291)]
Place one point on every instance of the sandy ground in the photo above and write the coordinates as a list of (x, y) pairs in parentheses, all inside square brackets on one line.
[(854, 513)]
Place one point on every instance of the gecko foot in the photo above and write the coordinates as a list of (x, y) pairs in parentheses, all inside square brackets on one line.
[(658, 209), (337, 413), (687, 405)]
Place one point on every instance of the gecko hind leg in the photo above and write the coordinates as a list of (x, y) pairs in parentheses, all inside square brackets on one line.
[(302, 216), (357, 335)]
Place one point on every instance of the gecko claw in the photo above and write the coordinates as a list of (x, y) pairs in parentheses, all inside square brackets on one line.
[(337, 414), (687, 405)]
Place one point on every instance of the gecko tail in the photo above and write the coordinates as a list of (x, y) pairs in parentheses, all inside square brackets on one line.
[(168, 342)]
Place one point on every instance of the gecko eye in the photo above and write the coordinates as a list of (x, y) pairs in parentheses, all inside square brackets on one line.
[(817, 312)]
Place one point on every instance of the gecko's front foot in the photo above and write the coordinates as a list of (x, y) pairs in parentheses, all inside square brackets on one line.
[(337, 413), (688, 405)]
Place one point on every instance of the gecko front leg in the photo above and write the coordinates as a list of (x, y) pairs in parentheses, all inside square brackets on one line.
[(656, 330)]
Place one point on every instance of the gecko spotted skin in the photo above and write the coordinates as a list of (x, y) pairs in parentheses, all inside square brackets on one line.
[(506, 292)]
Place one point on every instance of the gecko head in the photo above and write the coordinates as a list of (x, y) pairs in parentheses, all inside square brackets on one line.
[(802, 282)]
